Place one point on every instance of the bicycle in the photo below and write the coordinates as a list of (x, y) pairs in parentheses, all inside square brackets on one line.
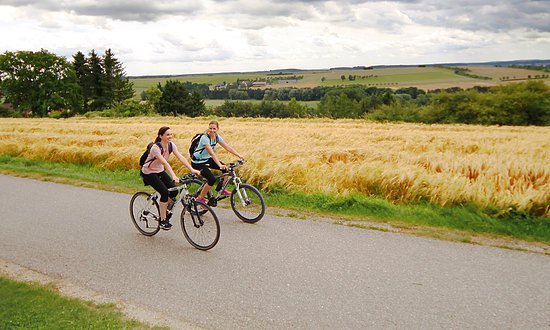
[(246, 200), (198, 221)]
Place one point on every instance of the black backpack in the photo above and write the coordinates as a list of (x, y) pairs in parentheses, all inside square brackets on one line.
[(195, 142), (145, 154)]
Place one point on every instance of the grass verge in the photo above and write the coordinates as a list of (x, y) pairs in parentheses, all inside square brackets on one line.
[(32, 306), (461, 218), (352, 209)]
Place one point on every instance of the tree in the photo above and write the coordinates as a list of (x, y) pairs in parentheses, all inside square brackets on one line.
[(152, 95), (296, 109), (39, 81), (235, 94), (102, 80), (97, 98), (522, 104), (116, 85), (83, 75), (176, 99), (338, 106)]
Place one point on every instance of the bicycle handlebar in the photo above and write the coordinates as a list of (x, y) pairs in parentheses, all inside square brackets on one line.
[(189, 176), (231, 166), (237, 163)]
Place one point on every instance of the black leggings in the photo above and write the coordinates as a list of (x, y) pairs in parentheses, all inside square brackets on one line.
[(205, 170), (161, 182)]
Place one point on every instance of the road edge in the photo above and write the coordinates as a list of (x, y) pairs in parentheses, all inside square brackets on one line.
[(66, 288)]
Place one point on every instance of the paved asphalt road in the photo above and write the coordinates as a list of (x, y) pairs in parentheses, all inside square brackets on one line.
[(278, 273)]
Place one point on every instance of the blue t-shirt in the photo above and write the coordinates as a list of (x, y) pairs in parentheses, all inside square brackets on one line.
[(201, 155)]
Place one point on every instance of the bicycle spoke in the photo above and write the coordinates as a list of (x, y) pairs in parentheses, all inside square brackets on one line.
[(200, 226), (144, 212), (248, 204)]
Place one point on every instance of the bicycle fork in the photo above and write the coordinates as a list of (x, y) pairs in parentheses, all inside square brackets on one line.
[(194, 211), (237, 183), (145, 212)]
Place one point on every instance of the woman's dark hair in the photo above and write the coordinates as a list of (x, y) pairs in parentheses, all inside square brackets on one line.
[(161, 132)]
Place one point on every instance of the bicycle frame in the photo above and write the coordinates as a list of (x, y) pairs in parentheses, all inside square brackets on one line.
[(186, 200), (232, 177), (246, 201), (235, 180)]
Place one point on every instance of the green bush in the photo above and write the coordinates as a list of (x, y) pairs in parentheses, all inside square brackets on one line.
[(176, 99), (9, 112), (128, 108), (397, 111)]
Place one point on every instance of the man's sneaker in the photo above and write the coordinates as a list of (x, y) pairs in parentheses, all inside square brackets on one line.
[(225, 193), (165, 224)]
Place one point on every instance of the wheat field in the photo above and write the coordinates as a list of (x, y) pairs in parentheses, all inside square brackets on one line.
[(502, 167)]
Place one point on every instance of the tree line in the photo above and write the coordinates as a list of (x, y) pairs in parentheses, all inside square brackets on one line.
[(526, 103), (43, 84), (39, 83)]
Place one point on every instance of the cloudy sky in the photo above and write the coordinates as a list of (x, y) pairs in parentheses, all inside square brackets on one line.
[(200, 36)]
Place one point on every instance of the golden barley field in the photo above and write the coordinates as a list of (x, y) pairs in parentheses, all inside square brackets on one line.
[(503, 167)]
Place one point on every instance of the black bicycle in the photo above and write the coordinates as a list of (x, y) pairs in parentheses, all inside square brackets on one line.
[(199, 223), (246, 200)]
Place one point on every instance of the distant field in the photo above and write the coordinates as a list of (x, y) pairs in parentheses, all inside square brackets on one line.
[(499, 72), (215, 103), (427, 78)]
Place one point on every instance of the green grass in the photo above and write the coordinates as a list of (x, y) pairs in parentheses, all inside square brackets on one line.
[(441, 75), (32, 306), (461, 218), (352, 208), (142, 84), (81, 175)]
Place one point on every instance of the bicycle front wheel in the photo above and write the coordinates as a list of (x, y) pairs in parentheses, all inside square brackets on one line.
[(145, 213), (248, 203), (200, 225)]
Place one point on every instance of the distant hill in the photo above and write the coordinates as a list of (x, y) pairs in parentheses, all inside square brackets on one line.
[(425, 77), (502, 63), (537, 62)]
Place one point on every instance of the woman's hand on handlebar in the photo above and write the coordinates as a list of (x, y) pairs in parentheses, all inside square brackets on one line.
[(196, 172), (177, 180)]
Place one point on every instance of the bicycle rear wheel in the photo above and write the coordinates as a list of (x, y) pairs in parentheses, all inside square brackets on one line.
[(200, 225), (248, 203), (145, 213)]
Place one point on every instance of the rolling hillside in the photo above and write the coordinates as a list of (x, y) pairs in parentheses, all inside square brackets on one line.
[(426, 77)]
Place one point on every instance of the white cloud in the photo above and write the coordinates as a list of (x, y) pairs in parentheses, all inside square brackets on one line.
[(168, 36)]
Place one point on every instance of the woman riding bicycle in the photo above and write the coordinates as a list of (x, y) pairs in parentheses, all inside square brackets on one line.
[(155, 167), (204, 158)]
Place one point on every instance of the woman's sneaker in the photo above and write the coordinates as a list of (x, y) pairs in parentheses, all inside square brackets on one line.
[(201, 208), (165, 224), (225, 193)]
